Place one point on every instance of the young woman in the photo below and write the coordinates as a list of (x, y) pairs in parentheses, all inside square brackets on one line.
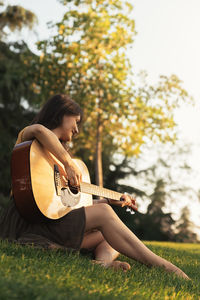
[(95, 227)]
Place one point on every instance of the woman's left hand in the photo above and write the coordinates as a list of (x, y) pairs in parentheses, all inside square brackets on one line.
[(128, 200)]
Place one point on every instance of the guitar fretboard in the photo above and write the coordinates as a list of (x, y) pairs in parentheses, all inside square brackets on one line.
[(99, 191)]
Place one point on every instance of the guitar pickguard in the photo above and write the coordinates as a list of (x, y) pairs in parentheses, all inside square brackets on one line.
[(68, 198)]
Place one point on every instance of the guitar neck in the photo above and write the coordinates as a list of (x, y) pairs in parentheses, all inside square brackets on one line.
[(99, 191)]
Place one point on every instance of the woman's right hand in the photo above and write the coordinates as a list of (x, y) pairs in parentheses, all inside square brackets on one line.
[(73, 173)]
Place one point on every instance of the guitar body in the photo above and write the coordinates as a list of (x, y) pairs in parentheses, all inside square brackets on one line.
[(39, 184)]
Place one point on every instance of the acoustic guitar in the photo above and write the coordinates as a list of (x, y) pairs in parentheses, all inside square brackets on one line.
[(40, 188)]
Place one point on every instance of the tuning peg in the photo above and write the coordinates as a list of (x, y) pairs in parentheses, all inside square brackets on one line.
[(132, 211), (128, 209)]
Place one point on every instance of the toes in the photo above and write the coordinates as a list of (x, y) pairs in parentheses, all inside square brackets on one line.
[(97, 262), (115, 265), (118, 265)]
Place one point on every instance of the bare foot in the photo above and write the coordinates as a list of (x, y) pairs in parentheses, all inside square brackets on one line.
[(180, 273), (177, 271), (115, 265), (54, 246)]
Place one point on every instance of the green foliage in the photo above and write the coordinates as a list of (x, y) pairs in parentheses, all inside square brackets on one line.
[(15, 17), (87, 59), (14, 109), (30, 273), (16, 97)]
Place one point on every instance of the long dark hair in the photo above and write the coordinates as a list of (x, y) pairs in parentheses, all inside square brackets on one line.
[(52, 112)]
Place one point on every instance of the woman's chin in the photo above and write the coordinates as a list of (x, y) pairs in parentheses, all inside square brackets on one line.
[(69, 139), (66, 140)]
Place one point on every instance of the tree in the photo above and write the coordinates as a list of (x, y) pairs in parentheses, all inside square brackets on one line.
[(15, 93), (164, 181), (155, 224), (86, 58), (158, 225), (15, 18), (184, 228)]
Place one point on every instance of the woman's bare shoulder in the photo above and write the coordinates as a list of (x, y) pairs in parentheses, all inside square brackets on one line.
[(29, 132)]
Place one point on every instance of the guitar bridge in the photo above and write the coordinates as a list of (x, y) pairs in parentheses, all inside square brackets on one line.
[(57, 180)]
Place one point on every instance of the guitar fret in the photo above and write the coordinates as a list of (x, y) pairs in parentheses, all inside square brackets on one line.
[(99, 191)]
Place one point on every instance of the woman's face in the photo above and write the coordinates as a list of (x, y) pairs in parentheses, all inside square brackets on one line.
[(68, 128)]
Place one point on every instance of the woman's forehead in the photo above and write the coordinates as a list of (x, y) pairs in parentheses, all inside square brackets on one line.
[(77, 118)]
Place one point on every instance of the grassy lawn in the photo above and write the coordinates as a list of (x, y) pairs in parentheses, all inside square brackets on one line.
[(28, 273)]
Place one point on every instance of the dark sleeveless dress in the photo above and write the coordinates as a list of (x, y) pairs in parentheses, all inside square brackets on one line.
[(66, 232)]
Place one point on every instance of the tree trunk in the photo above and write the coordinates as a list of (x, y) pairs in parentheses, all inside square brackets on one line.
[(98, 156)]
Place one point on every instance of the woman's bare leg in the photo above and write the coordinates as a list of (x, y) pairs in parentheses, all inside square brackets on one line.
[(115, 232), (104, 254)]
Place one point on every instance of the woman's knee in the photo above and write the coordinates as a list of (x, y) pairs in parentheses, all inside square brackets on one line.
[(92, 239), (100, 210), (105, 212), (105, 208), (97, 215)]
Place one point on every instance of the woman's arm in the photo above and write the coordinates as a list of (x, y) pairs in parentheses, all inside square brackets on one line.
[(51, 142), (107, 201), (127, 200), (103, 200)]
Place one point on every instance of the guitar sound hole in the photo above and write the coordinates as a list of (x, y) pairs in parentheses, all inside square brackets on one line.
[(74, 189)]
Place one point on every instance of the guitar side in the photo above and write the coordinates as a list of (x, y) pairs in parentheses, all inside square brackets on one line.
[(21, 183)]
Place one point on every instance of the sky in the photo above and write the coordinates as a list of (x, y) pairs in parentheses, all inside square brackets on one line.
[(167, 42)]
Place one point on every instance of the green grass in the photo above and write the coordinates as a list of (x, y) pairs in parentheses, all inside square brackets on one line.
[(29, 273)]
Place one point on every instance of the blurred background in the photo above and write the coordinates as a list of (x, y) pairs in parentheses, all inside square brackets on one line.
[(133, 67)]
